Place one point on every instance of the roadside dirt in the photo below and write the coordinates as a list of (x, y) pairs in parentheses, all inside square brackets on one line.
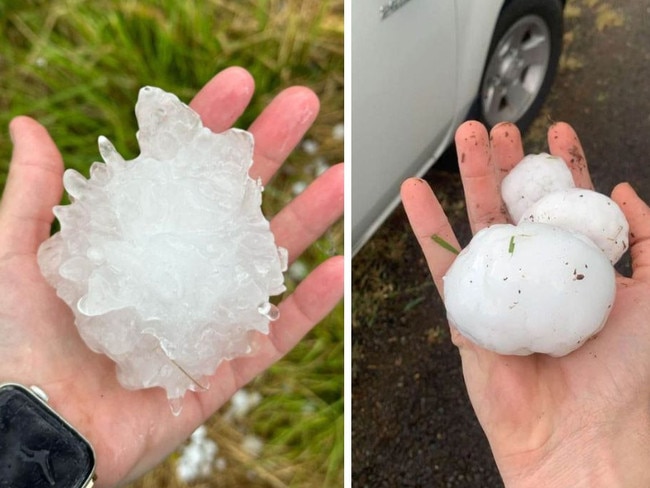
[(412, 422)]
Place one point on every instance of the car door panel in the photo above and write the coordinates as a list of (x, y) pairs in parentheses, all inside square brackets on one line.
[(403, 96)]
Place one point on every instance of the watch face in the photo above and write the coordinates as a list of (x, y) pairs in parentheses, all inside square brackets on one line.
[(37, 447)]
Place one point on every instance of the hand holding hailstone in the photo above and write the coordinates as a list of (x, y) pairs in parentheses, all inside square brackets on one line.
[(133, 430), (581, 418)]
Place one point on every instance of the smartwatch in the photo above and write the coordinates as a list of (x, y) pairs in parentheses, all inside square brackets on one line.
[(38, 448)]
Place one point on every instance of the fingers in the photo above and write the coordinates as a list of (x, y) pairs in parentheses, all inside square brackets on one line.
[(428, 220), (431, 228), (436, 238), (480, 182), (564, 142), (277, 130), (507, 150), (280, 127), (224, 98), (310, 302), (637, 214), (311, 213), (34, 185)]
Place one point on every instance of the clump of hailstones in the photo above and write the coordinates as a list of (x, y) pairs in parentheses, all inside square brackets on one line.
[(166, 260), (547, 284), (197, 458)]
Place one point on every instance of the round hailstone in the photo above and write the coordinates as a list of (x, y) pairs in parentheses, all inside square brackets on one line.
[(529, 288), (166, 260), (532, 178), (585, 211)]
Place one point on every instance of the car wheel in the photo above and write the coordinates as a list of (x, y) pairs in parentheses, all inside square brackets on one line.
[(522, 61)]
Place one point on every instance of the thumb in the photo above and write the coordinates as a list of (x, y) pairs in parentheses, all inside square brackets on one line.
[(637, 214), (33, 187)]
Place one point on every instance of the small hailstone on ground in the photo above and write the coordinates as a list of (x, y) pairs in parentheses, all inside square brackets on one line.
[(220, 464), (253, 445), (298, 270), (167, 261), (298, 187), (241, 403), (338, 132), (310, 146), (197, 457), (320, 166)]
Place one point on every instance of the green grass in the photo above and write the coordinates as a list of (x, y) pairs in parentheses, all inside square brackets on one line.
[(76, 66)]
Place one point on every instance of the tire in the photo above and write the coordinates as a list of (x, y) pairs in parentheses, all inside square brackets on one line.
[(522, 61)]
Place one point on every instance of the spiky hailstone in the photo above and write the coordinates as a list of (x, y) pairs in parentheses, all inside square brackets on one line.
[(529, 288), (166, 260)]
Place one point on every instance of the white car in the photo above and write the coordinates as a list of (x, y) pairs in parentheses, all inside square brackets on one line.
[(421, 67)]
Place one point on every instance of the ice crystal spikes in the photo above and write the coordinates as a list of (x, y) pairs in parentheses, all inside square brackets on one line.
[(166, 260)]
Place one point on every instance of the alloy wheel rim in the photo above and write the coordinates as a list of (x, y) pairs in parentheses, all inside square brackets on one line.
[(516, 70)]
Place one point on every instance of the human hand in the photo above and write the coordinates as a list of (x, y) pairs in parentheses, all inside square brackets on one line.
[(578, 420), (131, 431)]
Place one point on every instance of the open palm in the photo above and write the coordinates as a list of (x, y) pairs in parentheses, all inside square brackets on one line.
[(556, 421), (133, 430)]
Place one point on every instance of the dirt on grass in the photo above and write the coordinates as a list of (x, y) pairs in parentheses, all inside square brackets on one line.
[(412, 422)]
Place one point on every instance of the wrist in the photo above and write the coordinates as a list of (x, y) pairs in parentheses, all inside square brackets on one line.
[(610, 455)]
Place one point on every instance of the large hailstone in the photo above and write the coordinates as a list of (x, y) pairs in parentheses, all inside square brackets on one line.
[(590, 213), (529, 288), (166, 260), (532, 178)]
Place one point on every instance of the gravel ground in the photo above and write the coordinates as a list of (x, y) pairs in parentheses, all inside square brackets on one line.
[(412, 422)]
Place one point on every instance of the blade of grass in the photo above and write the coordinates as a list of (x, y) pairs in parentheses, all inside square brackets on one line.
[(444, 244)]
